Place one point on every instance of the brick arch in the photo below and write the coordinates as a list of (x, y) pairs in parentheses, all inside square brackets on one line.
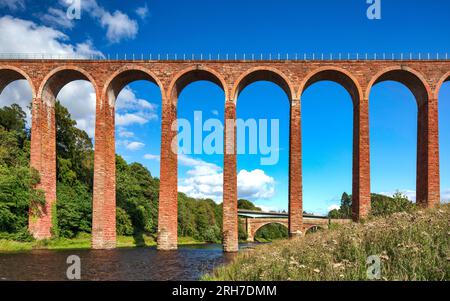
[(126, 75), (409, 77), (56, 79), (309, 228), (259, 225), (427, 154), (191, 75), (444, 79), (334, 74), (9, 74), (262, 74)]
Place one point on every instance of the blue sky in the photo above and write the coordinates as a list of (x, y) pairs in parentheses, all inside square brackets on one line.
[(110, 27)]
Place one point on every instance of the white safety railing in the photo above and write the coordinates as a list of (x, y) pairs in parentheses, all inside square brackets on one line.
[(344, 56)]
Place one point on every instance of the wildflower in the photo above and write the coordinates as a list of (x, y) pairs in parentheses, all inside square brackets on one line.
[(317, 271)]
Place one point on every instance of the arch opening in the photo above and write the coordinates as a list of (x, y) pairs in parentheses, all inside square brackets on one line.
[(328, 154), (200, 112), (135, 94), (444, 138), (340, 77), (16, 95), (271, 231), (393, 137), (262, 138), (195, 75)]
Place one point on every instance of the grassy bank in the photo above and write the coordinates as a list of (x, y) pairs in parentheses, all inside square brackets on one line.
[(83, 241), (411, 246)]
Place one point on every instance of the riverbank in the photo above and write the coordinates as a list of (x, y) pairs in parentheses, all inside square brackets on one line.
[(83, 241), (410, 246)]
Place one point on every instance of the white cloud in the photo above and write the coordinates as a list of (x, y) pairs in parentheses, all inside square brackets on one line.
[(22, 36), (123, 133), (79, 98), (13, 4), (142, 12), (57, 17), (333, 207), (205, 180), (132, 110), (118, 25), (152, 157), (19, 36), (128, 119), (255, 185), (134, 146)]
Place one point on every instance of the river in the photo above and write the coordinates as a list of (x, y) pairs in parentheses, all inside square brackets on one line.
[(187, 263)]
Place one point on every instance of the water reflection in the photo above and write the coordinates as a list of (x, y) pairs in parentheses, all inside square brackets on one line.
[(186, 263)]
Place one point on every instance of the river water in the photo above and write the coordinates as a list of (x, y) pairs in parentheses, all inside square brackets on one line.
[(186, 263)]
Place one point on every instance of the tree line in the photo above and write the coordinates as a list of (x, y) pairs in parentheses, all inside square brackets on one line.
[(137, 191)]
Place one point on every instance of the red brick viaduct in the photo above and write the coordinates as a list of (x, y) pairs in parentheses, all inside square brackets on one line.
[(48, 77)]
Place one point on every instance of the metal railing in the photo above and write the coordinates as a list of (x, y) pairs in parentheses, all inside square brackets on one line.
[(233, 57)]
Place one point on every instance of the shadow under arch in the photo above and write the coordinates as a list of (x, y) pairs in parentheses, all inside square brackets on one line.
[(427, 156), (9, 74), (262, 74)]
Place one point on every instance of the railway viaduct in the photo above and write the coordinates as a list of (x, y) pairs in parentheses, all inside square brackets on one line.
[(108, 77)]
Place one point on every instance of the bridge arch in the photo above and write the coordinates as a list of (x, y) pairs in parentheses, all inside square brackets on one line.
[(409, 77), (126, 75), (253, 225), (168, 200), (334, 74), (56, 79), (262, 74), (9, 74), (191, 75), (427, 156), (360, 165), (443, 79)]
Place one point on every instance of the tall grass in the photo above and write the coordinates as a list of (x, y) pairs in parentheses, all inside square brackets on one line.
[(411, 246)]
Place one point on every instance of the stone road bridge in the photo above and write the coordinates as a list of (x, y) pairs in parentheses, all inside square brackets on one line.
[(255, 220)]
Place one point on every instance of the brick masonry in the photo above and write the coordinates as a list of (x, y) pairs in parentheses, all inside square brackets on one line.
[(252, 225), (47, 77)]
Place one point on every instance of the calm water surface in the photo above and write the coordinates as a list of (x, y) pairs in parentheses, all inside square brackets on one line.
[(186, 263)]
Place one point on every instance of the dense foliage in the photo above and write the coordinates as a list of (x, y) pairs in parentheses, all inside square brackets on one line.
[(16, 178), (381, 205), (136, 189)]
